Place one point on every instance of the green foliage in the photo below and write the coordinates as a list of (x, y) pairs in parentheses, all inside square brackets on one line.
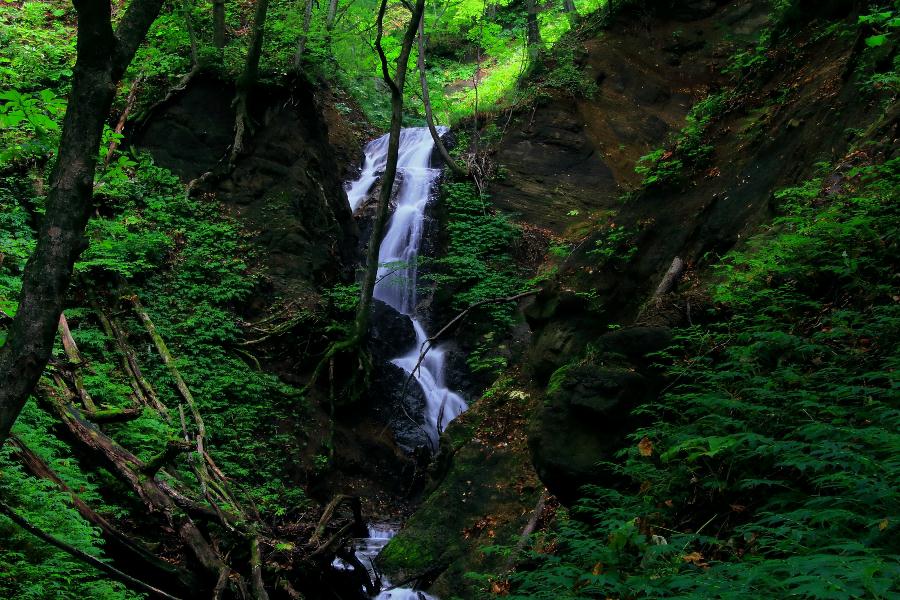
[(689, 150), (202, 272), (557, 74), (478, 265), (29, 124), (29, 568), (769, 466), (880, 64), (614, 245), (37, 45), (16, 240)]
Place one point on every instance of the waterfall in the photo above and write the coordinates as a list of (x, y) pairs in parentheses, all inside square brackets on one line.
[(397, 274)]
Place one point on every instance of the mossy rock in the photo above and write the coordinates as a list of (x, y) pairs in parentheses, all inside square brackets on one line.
[(486, 491)]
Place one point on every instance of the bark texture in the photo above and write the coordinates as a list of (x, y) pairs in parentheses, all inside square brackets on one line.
[(242, 125), (304, 37), (219, 23)]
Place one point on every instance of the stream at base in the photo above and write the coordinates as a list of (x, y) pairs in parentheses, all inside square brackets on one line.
[(396, 287), (367, 550)]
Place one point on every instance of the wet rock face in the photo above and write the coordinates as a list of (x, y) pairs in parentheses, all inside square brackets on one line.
[(390, 334), (401, 413), (588, 409), (285, 187), (553, 168)]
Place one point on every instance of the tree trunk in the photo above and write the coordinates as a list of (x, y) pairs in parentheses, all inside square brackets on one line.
[(248, 78), (533, 30), (102, 56), (571, 11), (219, 23), (390, 169), (301, 43), (429, 117), (332, 13)]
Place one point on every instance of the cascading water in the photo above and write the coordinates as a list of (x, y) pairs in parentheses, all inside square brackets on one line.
[(396, 287), (398, 257)]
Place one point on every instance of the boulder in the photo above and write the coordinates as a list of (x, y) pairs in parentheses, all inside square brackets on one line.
[(402, 413), (582, 422), (588, 408), (390, 333)]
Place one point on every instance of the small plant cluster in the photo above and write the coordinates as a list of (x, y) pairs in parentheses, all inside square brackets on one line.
[(478, 265), (768, 468), (688, 151), (881, 61), (614, 245)]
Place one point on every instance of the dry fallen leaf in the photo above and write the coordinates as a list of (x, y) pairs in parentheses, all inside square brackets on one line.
[(500, 588), (645, 446), (598, 568), (694, 557)]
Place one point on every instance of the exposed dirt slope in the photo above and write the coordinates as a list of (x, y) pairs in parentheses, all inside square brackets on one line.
[(286, 187), (579, 154)]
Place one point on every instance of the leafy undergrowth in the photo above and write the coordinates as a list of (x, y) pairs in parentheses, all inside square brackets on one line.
[(478, 265), (193, 268), (770, 468)]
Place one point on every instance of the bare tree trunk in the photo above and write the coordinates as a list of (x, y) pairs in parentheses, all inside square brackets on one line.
[(429, 117), (123, 118), (304, 37), (248, 78), (332, 13), (102, 57), (185, 6), (390, 170), (77, 362), (533, 29), (571, 11), (219, 23)]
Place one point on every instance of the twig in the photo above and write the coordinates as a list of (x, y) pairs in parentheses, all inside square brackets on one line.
[(428, 344)]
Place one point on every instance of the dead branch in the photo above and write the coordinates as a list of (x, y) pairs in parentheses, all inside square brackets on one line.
[(256, 581), (173, 448), (143, 390), (454, 166), (670, 278), (528, 530), (77, 362), (128, 468), (329, 511), (123, 118)]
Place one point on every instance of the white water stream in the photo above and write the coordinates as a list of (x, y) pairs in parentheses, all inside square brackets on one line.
[(398, 258), (396, 287)]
